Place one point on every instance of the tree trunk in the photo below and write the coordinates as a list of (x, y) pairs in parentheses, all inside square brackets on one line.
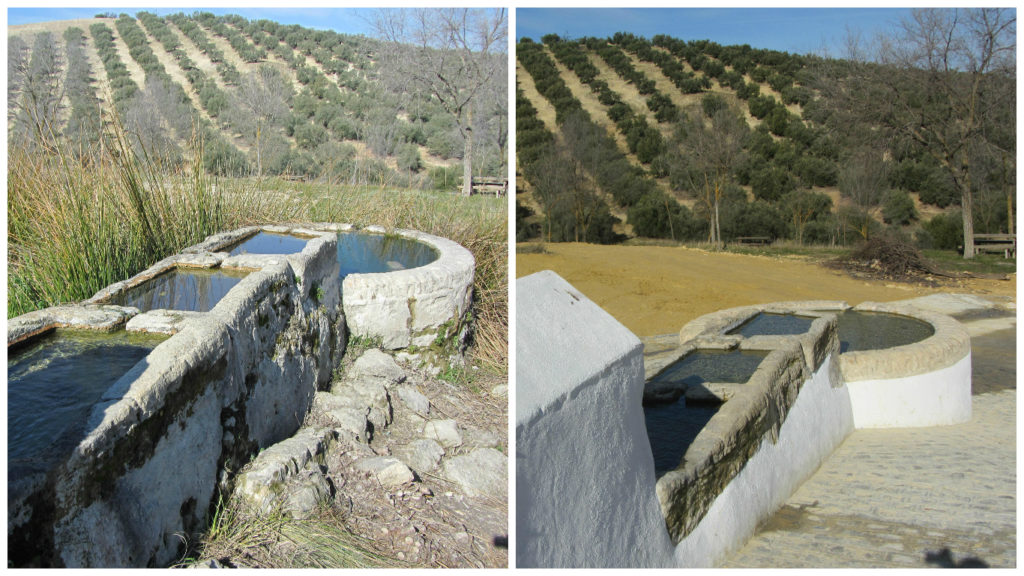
[(467, 155), (966, 203)]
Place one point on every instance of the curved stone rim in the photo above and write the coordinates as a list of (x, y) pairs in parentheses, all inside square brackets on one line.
[(948, 345), (450, 254)]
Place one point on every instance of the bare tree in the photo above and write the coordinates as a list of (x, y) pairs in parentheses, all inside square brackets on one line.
[(713, 147), (264, 95), (42, 90), (457, 52), (150, 118), (17, 70), (945, 79)]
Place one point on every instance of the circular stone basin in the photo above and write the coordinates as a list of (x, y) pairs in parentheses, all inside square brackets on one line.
[(270, 243), (52, 383), (771, 324), (860, 331), (196, 290), (367, 253)]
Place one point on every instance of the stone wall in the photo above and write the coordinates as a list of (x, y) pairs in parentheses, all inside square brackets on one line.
[(165, 437)]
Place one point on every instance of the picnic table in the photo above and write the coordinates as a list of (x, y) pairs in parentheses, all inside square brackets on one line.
[(1005, 243)]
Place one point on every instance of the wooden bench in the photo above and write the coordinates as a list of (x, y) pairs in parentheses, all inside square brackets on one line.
[(490, 185), (754, 240), (1005, 243)]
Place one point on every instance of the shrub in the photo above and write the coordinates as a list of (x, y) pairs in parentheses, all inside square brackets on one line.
[(446, 177), (408, 158), (898, 208), (771, 183), (942, 232), (222, 158)]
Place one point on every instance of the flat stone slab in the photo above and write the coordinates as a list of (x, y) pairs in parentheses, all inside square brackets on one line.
[(376, 364), (415, 400), (390, 472), (161, 321), (482, 472), (444, 431), (421, 455)]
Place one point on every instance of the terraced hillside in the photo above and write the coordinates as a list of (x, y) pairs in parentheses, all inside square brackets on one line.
[(694, 141), (267, 98)]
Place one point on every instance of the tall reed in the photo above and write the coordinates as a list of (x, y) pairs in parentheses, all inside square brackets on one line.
[(81, 220)]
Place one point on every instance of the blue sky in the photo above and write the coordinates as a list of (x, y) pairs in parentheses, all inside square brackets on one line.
[(343, 20), (794, 30)]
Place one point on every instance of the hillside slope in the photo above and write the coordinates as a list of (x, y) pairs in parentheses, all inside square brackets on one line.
[(267, 97), (795, 177)]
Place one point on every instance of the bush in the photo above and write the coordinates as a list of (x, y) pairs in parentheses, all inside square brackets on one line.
[(898, 208), (771, 183), (408, 158), (446, 177), (942, 232), (222, 158)]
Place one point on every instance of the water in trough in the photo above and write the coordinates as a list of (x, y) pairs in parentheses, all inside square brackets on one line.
[(53, 382), (672, 427), (196, 290)]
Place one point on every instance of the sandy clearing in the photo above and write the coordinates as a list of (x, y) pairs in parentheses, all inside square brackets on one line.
[(655, 290)]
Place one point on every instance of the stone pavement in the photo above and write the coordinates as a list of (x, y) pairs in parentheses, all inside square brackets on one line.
[(912, 497)]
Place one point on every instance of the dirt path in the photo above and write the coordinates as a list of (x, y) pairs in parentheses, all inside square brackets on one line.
[(655, 290)]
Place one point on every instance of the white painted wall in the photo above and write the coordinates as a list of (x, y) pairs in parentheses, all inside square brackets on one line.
[(584, 470), (817, 423), (932, 399)]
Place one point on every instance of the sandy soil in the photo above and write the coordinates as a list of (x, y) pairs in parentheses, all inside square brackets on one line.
[(655, 290)]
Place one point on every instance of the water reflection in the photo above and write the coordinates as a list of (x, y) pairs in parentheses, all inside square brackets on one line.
[(270, 243), (671, 429), (52, 384), (362, 253), (191, 290), (877, 330), (700, 366), (769, 324)]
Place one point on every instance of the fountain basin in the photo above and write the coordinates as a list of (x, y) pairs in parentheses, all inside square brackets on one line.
[(191, 290), (264, 242), (424, 311)]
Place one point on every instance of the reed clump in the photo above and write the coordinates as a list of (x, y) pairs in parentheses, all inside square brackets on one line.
[(79, 220)]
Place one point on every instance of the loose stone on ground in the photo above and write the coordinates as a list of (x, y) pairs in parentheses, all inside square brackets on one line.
[(426, 492)]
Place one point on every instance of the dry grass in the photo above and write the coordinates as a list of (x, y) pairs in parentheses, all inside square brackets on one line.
[(242, 538)]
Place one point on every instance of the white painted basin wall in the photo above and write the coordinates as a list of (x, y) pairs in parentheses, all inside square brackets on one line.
[(817, 423), (937, 398)]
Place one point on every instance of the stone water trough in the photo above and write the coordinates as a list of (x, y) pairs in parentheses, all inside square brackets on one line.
[(588, 493), (251, 325)]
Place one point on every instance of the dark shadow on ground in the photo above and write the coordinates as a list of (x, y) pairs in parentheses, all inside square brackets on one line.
[(994, 361), (944, 559)]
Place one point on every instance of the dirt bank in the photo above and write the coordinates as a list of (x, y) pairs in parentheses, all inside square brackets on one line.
[(656, 289)]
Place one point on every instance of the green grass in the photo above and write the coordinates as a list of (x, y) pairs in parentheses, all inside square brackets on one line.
[(982, 264)]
